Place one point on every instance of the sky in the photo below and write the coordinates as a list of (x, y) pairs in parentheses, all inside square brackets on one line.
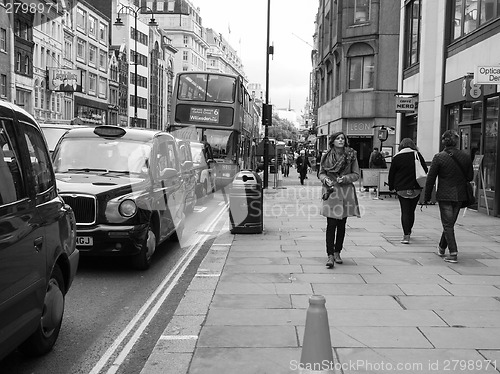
[(244, 24)]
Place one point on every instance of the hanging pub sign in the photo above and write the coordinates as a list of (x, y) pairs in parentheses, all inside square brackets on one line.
[(406, 103)]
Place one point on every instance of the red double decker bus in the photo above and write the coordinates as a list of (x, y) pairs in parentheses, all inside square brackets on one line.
[(216, 109)]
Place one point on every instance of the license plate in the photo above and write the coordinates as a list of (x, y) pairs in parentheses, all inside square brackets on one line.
[(85, 241), (226, 175)]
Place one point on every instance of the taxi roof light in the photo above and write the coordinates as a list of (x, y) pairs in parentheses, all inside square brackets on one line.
[(109, 131)]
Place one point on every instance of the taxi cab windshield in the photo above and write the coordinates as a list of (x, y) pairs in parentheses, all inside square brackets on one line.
[(102, 155)]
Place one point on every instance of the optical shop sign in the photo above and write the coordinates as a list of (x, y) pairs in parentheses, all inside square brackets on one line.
[(487, 75)]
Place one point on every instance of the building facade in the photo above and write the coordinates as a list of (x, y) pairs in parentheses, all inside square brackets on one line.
[(6, 46), (356, 61), (445, 49), (183, 24), (221, 56)]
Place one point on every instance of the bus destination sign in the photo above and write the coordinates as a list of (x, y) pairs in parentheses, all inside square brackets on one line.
[(198, 114)]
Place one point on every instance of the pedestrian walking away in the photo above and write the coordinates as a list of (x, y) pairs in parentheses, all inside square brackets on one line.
[(453, 169), (285, 165), (377, 160), (303, 165), (339, 169), (402, 179)]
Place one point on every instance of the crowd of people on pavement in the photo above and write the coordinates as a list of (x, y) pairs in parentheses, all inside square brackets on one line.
[(337, 168)]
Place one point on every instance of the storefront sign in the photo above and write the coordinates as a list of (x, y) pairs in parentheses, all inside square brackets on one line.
[(65, 80), (359, 127), (406, 104), (487, 75)]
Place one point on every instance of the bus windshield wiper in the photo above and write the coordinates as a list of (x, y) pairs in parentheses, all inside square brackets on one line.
[(117, 172)]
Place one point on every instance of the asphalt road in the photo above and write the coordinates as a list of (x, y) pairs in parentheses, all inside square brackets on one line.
[(115, 314)]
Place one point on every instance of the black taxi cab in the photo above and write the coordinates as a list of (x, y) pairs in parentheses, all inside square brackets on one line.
[(38, 257), (126, 189)]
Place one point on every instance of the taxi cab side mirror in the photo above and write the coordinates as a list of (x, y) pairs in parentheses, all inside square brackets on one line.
[(187, 165), (168, 173)]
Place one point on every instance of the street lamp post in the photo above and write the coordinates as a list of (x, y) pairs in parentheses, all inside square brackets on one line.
[(119, 23), (266, 112)]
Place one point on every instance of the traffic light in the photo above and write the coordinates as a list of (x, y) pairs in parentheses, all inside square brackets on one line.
[(267, 114)]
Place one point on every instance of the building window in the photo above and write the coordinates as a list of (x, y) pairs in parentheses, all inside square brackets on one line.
[(361, 72), (92, 83), (81, 17), (337, 77), (102, 87), (18, 62), (468, 15), (412, 32), (103, 32), (3, 40), (92, 55), (184, 55), (3, 85), (26, 65), (360, 10), (186, 40), (102, 60), (329, 81), (361, 67), (92, 27), (80, 51)]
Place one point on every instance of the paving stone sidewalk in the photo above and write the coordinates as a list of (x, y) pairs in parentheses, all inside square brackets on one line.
[(391, 307)]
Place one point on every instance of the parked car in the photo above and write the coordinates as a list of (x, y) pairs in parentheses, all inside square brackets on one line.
[(205, 174), (126, 189), (188, 174), (54, 131), (38, 257)]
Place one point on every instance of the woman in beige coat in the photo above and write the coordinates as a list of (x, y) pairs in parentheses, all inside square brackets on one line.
[(338, 170)]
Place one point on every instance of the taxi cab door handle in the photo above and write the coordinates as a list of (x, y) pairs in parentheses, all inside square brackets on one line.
[(38, 242)]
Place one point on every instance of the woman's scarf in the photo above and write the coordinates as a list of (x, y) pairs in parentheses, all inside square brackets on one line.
[(336, 163)]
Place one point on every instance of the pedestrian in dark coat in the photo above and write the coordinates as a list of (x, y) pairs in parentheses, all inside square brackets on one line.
[(402, 180), (302, 165), (451, 189), (338, 170)]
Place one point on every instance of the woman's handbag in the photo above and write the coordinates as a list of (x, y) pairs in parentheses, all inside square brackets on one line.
[(471, 199), (420, 174), (469, 191)]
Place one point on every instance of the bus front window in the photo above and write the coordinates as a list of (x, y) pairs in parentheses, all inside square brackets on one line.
[(192, 87), (222, 143), (221, 89)]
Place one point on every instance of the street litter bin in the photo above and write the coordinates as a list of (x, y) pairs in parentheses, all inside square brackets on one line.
[(245, 203)]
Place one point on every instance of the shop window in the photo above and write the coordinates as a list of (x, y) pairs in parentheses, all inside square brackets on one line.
[(490, 143), (472, 110)]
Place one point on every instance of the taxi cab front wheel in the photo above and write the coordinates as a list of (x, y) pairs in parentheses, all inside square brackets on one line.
[(142, 260), (45, 336)]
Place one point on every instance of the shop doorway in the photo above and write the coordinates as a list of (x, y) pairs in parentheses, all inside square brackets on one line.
[(470, 138), (363, 147)]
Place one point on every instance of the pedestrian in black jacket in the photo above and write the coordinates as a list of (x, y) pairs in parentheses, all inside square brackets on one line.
[(451, 190), (402, 180)]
